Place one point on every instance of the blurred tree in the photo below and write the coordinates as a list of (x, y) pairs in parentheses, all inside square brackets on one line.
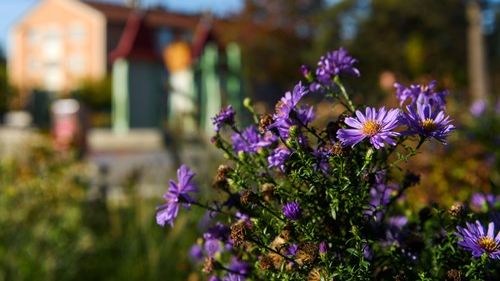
[(5, 89), (493, 42), (409, 38), (275, 36)]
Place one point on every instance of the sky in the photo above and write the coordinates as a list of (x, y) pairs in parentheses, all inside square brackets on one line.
[(12, 10)]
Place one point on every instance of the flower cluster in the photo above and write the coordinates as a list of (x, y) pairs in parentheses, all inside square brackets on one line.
[(300, 202)]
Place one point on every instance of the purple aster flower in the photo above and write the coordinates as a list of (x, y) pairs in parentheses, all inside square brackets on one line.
[(287, 114), (225, 117), (292, 211), (176, 195), (476, 240), (322, 156), (214, 278), (291, 99), (278, 158), (323, 247), (378, 126), (242, 217), (219, 231), (246, 141), (212, 247), (367, 252), (335, 63), (251, 140), (305, 71), (239, 267), (233, 277), (380, 195), (397, 222), (480, 201), (292, 250), (427, 121), (424, 94), (478, 107), (196, 253)]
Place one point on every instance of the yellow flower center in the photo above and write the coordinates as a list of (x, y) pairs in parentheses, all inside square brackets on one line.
[(429, 125), (488, 244), (371, 127)]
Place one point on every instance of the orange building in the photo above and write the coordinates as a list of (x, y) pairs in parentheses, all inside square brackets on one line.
[(59, 43)]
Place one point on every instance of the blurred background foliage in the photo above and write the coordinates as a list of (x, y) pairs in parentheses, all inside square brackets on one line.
[(50, 229)]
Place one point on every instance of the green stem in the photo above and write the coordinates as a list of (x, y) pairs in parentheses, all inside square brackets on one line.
[(272, 213), (350, 106), (422, 140)]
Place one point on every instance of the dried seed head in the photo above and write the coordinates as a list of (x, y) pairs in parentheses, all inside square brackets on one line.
[(238, 233), (267, 190), (286, 232), (400, 277), (277, 243), (454, 275), (223, 172), (457, 210), (220, 180), (266, 262), (247, 197), (306, 254), (264, 122), (277, 260), (316, 274), (337, 149), (208, 265)]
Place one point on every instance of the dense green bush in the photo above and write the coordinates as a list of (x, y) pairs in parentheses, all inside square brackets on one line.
[(51, 230)]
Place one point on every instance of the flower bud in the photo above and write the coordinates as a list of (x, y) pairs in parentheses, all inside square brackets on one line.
[(215, 140), (247, 102), (294, 132), (242, 156)]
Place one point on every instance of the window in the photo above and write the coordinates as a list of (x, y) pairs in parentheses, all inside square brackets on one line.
[(76, 32), (34, 35), (52, 46), (76, 64)]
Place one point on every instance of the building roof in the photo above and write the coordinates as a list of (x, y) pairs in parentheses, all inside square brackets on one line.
[(155, 17), (137, 40)]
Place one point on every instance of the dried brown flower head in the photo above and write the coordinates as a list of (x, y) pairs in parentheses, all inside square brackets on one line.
[(266, 262), (454, 275), (264, 122), (267, 190), (238, 233), (208, 265), (306, 254), (457, 210), (220, 180)]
